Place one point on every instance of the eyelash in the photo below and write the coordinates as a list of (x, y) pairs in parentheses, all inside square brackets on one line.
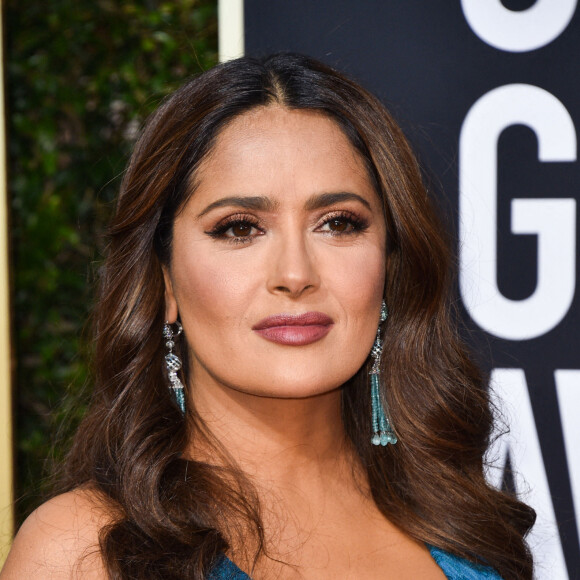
[(220, 230), (354, 223)]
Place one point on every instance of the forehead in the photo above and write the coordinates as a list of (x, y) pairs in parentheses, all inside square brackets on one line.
[(274, 147)]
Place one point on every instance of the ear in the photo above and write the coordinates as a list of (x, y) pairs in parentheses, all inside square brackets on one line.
[(171, 310)]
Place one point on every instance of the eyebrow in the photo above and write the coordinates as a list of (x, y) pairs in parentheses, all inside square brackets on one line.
[(263, 203), (326, 199), (258, 203)]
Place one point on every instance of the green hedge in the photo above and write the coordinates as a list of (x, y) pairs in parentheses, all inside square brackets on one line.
[(81, 77)]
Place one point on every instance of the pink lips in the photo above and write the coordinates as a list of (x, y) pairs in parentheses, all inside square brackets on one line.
[(294, 329)]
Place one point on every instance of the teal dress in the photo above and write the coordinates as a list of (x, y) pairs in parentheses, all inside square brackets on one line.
[(455, 568)]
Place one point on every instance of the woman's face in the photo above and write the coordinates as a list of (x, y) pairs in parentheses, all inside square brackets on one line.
[(278, 258)]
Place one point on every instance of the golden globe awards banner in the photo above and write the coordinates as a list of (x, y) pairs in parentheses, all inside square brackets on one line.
[(488, 91)]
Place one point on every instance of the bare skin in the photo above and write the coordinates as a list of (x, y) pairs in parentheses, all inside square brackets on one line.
[(275, 407), (60, 540), (321, 521)]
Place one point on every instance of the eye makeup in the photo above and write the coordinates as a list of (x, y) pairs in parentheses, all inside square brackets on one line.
[(342, 223), (237, 228), (244, 228)]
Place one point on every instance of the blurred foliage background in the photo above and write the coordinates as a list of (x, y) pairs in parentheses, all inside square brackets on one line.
[(80, 79)]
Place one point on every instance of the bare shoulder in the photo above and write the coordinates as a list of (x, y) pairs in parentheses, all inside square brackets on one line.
[(60, 540)]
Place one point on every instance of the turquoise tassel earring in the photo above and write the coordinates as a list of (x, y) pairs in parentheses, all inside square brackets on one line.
[(173, 363), (383, 433)]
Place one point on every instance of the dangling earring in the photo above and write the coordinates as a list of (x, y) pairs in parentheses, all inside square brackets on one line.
[(383, 433), (173, 363)]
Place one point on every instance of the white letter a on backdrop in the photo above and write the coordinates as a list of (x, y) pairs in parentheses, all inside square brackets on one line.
[(509, 394)]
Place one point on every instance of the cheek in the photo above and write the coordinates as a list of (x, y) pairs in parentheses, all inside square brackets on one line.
[(213, 290), (360, 278), (203, 289), (358, 285)]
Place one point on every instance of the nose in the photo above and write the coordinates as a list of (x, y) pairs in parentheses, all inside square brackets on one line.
[(292, 268)]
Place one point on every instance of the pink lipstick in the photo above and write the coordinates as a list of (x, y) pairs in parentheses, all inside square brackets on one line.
[(294, 329)]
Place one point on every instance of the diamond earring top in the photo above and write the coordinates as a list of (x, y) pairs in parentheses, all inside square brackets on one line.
[(173, 363)]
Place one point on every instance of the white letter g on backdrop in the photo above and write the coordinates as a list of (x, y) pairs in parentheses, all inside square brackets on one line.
[(552, 220)]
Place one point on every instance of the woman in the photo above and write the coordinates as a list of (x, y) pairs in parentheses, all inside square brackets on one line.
[(280, 388)]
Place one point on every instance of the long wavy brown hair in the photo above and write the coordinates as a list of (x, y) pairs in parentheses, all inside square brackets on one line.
[(173, 516)]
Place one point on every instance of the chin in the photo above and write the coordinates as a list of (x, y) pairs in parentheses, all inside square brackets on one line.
[(293, 386)]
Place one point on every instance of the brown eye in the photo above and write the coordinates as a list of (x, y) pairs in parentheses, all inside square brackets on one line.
[(338, 225), (342, 224), (241, 229)]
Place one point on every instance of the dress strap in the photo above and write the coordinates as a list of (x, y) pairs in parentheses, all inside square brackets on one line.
[(456, 568), (225, 569)]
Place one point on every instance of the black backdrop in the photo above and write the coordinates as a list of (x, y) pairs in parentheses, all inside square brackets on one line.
[(431, 66)]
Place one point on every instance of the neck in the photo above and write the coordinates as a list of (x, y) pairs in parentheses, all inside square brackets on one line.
[(299, 461), (277, 442)]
